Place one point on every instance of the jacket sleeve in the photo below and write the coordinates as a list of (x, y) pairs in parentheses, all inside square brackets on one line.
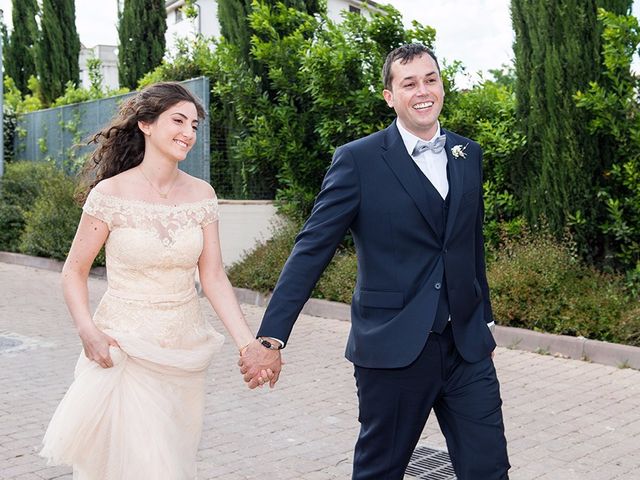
[(335, 209)]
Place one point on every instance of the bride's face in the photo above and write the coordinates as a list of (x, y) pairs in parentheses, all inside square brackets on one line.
[(173, 133)]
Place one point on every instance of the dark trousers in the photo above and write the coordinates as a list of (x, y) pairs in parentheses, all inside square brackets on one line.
[(395, 404)]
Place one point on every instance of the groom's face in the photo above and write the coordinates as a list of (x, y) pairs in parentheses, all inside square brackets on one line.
[(416, 95)]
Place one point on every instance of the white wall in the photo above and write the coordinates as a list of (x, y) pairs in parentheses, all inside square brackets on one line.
[(335, 8), (178, 26), (109, 69)]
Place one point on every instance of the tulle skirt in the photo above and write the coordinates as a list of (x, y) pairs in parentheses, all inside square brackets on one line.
[(140, 419)]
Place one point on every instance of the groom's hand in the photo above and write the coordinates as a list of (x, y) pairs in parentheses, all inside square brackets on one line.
[(255, 360)]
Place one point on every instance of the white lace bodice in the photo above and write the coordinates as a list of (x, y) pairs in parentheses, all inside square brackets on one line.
[(152, 248)]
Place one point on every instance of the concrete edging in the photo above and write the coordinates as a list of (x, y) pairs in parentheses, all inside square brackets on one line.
[(578, 348)]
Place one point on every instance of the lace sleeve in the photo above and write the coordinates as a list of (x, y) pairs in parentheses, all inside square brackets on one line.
[(97, 205), (211, 212)]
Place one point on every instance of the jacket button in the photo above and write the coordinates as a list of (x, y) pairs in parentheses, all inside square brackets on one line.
[(437, 286)]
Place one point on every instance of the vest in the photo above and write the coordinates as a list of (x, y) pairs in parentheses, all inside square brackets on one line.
[(438, 209)]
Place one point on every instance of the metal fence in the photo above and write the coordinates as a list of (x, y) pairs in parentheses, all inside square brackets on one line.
[(60, 133)]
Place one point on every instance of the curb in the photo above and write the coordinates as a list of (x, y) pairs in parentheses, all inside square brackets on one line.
[(578, 348)]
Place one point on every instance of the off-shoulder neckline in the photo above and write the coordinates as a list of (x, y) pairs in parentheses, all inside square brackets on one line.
[(135, 201)]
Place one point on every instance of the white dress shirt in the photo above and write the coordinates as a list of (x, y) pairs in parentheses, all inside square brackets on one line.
[(433, 165)]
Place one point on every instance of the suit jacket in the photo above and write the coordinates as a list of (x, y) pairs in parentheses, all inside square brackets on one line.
[(373, 189)]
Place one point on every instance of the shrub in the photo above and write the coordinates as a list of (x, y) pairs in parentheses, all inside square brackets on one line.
[(51, 223), (19, 187), (11, 225), (339, 278), (540, 284), (22, 182)]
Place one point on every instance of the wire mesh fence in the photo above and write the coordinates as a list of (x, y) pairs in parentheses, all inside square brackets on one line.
[(60, 134)]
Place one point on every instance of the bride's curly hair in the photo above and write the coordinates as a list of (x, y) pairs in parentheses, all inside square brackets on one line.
[(120, 145)]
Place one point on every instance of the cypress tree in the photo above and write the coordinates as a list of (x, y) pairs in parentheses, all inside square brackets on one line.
[(58, 48), (557, 53), (20, 61), (234, 24), (141, 30)]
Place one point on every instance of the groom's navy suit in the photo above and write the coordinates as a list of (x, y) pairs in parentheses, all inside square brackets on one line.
[(420, 263)]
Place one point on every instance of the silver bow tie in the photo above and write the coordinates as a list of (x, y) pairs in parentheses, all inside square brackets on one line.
[(436, 145)]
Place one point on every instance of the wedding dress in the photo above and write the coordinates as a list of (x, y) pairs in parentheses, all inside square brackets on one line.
[(142, 418)]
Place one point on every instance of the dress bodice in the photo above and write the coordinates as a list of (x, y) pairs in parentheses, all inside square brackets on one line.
[(152, 249)]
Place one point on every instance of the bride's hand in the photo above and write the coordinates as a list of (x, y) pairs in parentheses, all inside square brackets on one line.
[(96, 346)]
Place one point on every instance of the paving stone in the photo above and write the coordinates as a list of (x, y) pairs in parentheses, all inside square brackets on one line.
[(564, 419)]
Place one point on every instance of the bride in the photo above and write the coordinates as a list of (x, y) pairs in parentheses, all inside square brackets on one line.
[(135, 408)]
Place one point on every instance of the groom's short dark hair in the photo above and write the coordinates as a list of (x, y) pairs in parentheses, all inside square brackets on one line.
[(404, 53)]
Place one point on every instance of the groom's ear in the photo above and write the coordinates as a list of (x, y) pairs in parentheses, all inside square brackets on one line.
[(388, 97)]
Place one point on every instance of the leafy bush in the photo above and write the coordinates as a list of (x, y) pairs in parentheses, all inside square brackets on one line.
[(338, 280), (486, 113), (15, 102), (540, 284), (19, 187), (51, 223), (11, 226), (22, 182)]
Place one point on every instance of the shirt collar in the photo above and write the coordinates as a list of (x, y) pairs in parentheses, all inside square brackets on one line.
[(409, 139)]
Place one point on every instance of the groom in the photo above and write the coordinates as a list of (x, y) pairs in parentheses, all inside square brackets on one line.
[(420, 317)]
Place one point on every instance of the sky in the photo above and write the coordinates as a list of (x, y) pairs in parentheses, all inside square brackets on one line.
[(476, 32)]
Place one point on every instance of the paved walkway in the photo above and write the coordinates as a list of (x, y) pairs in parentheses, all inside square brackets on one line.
[(565, 419)]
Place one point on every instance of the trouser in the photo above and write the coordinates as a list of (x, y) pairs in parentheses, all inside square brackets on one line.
[(394, 405)]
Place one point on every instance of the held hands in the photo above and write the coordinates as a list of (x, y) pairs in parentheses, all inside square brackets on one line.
[(96, 346), (259, 365)]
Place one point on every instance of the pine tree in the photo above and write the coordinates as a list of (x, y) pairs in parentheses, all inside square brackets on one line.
[(58, 48), (557, 53), (141, 30), (20, 62)]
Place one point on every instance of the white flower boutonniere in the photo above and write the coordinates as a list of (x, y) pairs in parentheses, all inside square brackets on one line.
[(459, 151)]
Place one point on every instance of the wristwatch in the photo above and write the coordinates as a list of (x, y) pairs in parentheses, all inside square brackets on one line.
[(269, 344)]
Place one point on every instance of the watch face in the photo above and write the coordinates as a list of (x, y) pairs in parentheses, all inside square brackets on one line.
[(266, 343)]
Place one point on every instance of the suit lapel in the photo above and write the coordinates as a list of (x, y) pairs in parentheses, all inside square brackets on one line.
[(399, 161), (456, 182)]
